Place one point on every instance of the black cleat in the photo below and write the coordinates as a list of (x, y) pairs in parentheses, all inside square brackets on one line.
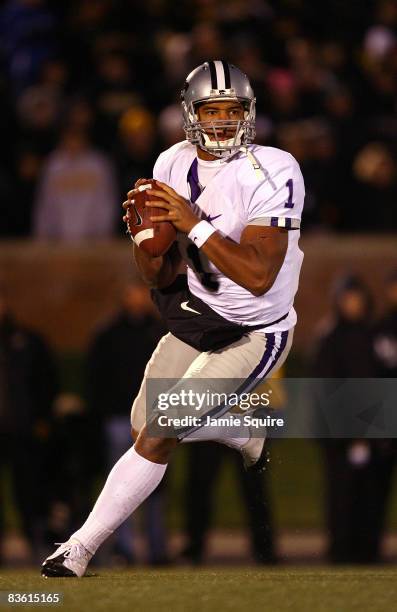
[(54, 568), (70, 560)]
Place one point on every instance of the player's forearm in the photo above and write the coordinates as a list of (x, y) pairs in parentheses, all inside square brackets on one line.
[(158, 272), (242, 263)]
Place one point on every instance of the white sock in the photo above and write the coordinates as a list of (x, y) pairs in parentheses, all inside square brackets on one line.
[(223, 434), (129, 483)]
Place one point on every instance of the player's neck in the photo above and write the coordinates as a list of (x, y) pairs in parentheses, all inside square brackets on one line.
[(204, 155)]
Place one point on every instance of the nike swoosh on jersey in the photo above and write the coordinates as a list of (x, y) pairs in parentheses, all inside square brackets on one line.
[(209, 219), (184, 306)]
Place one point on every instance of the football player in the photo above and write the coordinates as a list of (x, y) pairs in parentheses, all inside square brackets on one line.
[(237, 208)]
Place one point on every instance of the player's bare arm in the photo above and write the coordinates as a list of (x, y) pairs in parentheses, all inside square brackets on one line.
[(157, 272), (253, 263)]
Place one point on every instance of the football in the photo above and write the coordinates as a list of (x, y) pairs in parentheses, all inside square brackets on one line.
[(153, 238)]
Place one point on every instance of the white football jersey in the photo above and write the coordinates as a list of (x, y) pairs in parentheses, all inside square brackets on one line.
[(237, 196)]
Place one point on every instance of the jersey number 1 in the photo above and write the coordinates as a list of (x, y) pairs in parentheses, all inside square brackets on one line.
[(289, 203)]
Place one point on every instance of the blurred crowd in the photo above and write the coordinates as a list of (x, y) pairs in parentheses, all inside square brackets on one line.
[(89, 96), (58, 446)]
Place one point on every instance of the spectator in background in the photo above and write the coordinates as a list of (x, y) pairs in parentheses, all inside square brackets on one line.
[(28, 170), (28, 35), (375, 171), (204, 464), (80, 115), (8, 198), (380, 38), (175, 49), (17, 194), (77, 196), (28, 385), (357, 472), (137, 151), (38, 109), (72, 473), (170, 126), (113, 91), (207, 41), (385, 341), (283, 95), (116, 362)]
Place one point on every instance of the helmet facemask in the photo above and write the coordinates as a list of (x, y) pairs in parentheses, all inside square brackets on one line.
[(206, 134)]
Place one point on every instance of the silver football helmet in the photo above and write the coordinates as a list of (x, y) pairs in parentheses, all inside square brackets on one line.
[(218, 81)]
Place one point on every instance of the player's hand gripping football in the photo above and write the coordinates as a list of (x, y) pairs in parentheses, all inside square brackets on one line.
[(179, 211), (130, 196)]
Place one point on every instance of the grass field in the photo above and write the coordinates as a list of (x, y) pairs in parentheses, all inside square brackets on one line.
[(214, 590)]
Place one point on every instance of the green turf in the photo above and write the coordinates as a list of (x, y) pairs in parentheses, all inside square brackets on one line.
[(214, 590)]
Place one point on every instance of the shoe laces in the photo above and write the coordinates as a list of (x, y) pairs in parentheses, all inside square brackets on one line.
[(74, 550)]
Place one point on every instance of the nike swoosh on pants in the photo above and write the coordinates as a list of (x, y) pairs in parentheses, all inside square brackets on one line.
[(184, 306)]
